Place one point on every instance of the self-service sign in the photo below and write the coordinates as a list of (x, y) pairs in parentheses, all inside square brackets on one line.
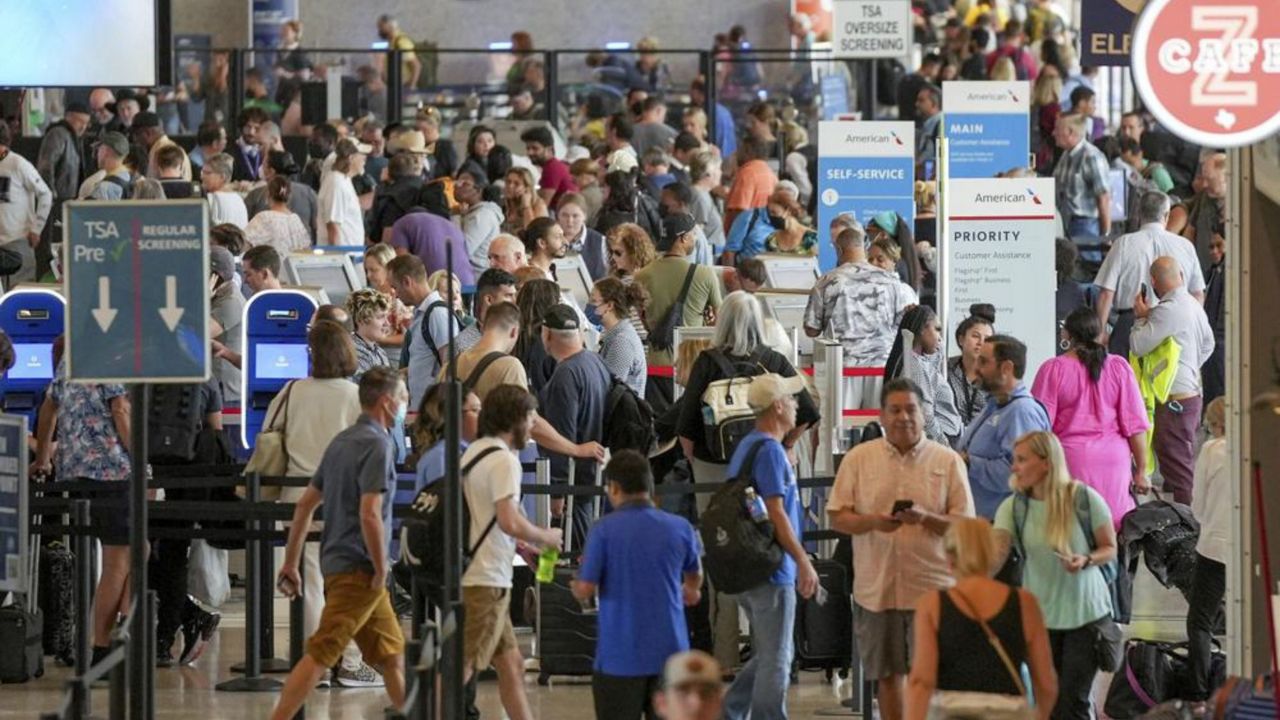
[(864, 168), (137, 285), (1209, 69)]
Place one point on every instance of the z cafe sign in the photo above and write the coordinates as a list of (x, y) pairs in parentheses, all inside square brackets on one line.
[(1209, 70)]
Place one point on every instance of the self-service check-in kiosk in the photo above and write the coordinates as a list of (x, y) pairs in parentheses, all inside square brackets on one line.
[(33, 319), (274, 352)]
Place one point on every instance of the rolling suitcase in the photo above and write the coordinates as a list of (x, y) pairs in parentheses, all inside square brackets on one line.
[(824, 630), (566, 632), (57, 602), (22, 632)]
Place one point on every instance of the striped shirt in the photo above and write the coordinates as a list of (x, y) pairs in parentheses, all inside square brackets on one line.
[(1082, 176), (368, 355), (623, 353)]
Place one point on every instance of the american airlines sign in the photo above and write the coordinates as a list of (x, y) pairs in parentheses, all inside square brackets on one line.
[(1209, 70)]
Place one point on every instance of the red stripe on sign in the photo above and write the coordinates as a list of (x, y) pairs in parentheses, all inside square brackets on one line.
[(869, 412), (972, 218), (663, 371), (137, 297)]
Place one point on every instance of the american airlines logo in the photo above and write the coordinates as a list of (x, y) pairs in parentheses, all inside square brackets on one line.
[(991, 96), (874, 139)]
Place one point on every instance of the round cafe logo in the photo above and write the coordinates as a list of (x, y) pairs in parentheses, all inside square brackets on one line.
[(1209, 69)]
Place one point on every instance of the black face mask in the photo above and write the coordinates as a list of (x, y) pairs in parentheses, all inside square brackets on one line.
[(317, 150), (777, 221)]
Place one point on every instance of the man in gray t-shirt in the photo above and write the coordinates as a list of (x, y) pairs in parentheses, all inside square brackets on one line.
[(356, 483), (227, 308)]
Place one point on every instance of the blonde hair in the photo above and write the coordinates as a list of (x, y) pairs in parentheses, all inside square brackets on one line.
[(1004, 70), (438, 279), (686, 355), (381, 252), (889, 247), (1047, 90), (1215, 417), (366, 303), (972, 548), (1059, 489)]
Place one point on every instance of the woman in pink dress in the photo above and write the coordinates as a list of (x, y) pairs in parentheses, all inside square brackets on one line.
[(1096, 411)]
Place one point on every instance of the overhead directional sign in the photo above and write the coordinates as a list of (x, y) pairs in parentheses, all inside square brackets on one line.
[(871, 29), (137, 286)]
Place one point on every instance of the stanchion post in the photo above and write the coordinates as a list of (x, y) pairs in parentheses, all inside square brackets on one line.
[(252, 680), (297, 611), (150, 699), (84, 589), (140, 665), (542, 502), (118, 692)]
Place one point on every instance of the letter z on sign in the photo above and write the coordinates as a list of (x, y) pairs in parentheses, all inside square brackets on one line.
[(1209, 69)]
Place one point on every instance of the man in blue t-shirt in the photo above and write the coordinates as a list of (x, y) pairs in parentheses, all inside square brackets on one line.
[(760, 689), (646, 565)]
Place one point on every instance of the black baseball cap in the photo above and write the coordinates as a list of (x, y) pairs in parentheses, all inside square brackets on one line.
[(76, 107), (561, 317), (673, 226), (282, 163)]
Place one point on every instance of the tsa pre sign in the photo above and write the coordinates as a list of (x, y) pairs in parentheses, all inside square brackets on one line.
[(1208, 69), (137, 285), (871, 28), (864, 168)]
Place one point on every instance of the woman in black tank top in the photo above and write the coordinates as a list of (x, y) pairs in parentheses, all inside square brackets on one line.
[(954, 653)]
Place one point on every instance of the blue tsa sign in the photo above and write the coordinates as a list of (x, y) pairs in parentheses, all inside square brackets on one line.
[(988, 127), (137, 286), (864, 168)]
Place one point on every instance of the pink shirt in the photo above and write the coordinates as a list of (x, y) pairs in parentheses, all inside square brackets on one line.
[(892, 570), (1082, 411)]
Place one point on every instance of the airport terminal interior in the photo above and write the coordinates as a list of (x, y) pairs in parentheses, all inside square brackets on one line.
[(897, 359)]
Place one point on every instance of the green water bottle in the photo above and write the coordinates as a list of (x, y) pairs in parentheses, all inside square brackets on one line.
[(547, 560)]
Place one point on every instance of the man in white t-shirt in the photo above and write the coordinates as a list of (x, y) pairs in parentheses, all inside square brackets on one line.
[(25, 201), (491, 487)]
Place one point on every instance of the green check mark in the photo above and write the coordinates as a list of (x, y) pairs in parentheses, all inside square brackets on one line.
[(120, 247)]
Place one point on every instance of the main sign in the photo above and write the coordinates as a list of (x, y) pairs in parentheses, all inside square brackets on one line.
[(866, 29), (1208, 69), (987, 125), (137, 285), (865, 168)]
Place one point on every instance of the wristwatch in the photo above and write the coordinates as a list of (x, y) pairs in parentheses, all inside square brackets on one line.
[(1088, 560)]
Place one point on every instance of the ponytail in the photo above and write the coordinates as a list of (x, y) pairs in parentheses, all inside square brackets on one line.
[(1082, 328)]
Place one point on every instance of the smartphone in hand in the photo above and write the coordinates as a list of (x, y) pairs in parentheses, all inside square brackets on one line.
[(902, 506)]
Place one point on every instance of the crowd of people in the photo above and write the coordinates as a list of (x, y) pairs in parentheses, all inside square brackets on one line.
[(979, 466)]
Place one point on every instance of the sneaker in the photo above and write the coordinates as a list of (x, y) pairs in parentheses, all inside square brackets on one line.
[(164, 659), (325, 681), (197, 631), (361, 677)]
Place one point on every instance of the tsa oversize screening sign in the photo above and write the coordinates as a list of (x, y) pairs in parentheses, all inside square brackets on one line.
[(865, 168), (988, 128), (1208, 69), (864, 29)]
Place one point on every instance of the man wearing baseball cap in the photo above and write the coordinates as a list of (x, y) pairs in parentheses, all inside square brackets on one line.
[(573, 401), (691, 688), (760, 689), (226, 307), (112, 180), (148, 131)]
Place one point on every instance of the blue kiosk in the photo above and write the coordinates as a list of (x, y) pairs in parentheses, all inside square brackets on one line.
[(32, 318), (274, 351)]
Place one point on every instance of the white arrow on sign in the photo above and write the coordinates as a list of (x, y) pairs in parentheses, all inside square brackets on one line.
[(171, 313), (104, 313)]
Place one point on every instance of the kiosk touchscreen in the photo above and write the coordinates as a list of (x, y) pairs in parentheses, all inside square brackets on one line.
[(788, 310), (572, 275), (333, 272), (275, 352), (791, 273), (33, 319)]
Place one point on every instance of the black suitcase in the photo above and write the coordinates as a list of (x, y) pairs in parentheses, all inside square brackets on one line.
[(57, 602), (824, 631), (22, 640), (566, 632)]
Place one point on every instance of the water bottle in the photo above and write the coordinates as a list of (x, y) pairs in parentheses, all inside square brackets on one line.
[(547, 560), (755, 506)]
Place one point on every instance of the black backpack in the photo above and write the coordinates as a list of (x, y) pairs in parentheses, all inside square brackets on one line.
[(174, 422), (741, 553), (126, 190), (425, 328), (628, 419), (662, 336), (422, 533)]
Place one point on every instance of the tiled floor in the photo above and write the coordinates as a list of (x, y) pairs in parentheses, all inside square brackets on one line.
[(189, 692)]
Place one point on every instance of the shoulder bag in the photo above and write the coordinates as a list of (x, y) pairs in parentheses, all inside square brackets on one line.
[(958, 705), (270, 453)]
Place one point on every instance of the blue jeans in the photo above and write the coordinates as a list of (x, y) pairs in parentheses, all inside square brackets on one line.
[(760, 689), (1084, 227)]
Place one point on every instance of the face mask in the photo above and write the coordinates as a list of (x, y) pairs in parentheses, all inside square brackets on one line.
[(402, 412), (777, 221), (593, 315)]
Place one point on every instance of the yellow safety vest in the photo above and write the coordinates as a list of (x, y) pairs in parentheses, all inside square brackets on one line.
[(1155, 372)]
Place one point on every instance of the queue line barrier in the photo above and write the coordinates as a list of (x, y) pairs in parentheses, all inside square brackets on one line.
[(254, 519)]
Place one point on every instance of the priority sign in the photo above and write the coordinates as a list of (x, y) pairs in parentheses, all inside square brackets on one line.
[(1208, 69), (137, 287)]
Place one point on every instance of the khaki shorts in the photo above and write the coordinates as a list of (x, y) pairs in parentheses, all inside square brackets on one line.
[(884, 641), (488, 631), (355, 611)]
